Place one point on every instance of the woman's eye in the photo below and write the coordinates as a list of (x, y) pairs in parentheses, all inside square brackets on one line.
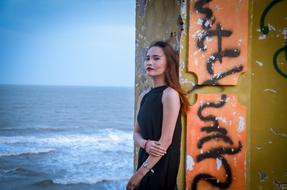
[(147, 58), (156, 58)]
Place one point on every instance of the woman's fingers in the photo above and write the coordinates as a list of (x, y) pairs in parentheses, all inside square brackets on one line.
[(155, 149), (157, 145), (157, 152), (159, 148)]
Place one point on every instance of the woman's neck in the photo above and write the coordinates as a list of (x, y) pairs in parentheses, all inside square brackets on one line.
[(158, 82)]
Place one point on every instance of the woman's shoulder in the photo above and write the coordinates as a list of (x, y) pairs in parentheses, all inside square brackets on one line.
[(169, 91), (142, 94), (170, 94)]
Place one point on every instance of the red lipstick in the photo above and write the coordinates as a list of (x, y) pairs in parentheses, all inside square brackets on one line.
[(149, 69)]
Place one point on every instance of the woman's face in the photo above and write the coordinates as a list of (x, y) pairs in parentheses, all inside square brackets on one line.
[(155, 62)]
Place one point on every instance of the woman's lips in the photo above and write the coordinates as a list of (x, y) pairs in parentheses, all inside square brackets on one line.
[(149, 69)]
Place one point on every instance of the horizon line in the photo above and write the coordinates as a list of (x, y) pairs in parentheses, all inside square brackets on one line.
[(62, 85)]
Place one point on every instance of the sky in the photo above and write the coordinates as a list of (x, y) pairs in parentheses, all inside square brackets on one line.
[(67, 42)]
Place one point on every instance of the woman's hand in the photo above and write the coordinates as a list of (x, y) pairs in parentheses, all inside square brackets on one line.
[(134, 181), (153, 148)]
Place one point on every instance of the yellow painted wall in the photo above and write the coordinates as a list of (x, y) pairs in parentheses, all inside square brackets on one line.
[(262, 90), (268, 129)]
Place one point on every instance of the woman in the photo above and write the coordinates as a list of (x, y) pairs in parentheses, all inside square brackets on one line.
[(157, 127)]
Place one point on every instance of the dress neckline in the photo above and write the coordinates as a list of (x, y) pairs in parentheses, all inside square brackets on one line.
[(158, 87)]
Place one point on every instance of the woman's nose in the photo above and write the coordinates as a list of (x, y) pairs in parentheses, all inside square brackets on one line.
[(149, 62)]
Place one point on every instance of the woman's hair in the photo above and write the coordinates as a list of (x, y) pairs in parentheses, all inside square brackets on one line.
[(172, 72)]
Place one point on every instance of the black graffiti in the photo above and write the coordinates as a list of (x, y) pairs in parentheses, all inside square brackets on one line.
[(180, 28), (211, 137), (209, 19), (219, 32), (265, 30), (215, 132), (276, 64), (214, 181), (214, 79)]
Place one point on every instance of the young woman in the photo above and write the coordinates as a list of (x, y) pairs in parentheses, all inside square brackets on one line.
[(157, 127)]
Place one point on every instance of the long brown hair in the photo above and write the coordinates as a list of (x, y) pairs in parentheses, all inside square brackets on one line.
[(172, 72)]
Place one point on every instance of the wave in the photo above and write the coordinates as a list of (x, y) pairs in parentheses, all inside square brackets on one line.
[(103, 140), (104, 134), (40, 128), (46, 182), (76, 159), (89, 181), (18, 171), (26, 152), (105, 182)]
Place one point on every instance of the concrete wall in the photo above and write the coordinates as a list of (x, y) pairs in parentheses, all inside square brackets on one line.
[(235, 133)]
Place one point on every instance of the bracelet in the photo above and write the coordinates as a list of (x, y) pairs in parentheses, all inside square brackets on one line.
[(146, 167), (145, 144)]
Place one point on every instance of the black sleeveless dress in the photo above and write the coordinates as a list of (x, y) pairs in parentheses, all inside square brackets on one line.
[(149, 119)]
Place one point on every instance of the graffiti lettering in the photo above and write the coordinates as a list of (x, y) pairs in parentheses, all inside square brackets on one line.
[(216, 133), (215, 73), (208, 20)]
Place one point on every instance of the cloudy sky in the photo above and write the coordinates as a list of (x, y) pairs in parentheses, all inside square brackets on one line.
[(67, 42)]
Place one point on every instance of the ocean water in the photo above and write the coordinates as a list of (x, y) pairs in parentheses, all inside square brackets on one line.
[(63, 137)]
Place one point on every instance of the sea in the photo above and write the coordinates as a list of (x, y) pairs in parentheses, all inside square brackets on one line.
[(65, 137)]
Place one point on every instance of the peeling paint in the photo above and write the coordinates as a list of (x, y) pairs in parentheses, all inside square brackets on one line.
[(268, 142), (196, 52), (258, 147), (218, 8), (262, 37), (241, 124), (280, 185), (199, 22), (271, 28), (218, 163), (186, 81), (270, 90), (262, 176), (259, 63), (223, 119), (284, 33), (195, 62), (278, 133), (189, 162)]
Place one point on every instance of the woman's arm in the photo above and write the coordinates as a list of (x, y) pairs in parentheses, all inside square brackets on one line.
[(155, 151), (137, 132), (151, 147), (171, 108)]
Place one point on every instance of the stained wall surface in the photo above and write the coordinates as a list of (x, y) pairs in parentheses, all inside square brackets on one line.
[(268, 129), (216, 143), (234, 136), (155, 20)]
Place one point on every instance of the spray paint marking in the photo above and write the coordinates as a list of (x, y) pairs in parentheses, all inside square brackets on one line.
[(214, 143), (223, 65)]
